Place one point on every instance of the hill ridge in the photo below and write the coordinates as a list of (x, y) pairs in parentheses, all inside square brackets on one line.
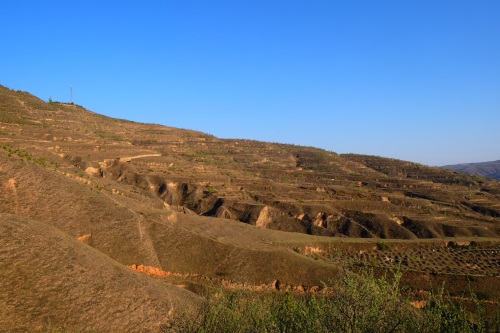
[(484, 169)]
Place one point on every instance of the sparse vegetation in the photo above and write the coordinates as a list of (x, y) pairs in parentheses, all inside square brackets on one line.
[(110, 136), (383, 246), (211, 189), (27, 155), (145, 142)]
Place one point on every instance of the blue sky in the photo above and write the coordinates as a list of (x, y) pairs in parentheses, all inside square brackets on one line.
[(413, 80)]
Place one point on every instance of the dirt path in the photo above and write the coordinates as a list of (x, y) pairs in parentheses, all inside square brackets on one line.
[(12, 185), (128, 159), (144, 237)]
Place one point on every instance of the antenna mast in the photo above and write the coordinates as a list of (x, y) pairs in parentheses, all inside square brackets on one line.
[(71, 94)]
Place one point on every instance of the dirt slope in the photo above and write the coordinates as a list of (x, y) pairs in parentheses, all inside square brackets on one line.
[(49, 277), (150, 233)]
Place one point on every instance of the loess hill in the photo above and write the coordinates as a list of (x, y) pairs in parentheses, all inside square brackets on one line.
[(192, 208)]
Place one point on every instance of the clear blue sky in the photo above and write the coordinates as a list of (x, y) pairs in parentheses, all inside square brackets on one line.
[(414, 80)]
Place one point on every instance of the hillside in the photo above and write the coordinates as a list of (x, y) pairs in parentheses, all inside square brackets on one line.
[(49, 277), (276, 186), (483, 169), (110, 196)]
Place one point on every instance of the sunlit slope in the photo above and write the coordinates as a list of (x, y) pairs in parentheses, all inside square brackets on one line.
[(274, 186), (141, 229), (49, 279)]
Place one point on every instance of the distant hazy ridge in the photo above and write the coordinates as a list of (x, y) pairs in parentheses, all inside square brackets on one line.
[(485, 169)]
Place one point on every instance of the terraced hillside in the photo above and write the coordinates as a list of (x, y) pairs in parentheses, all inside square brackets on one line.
[(275, 186), (197, 208)]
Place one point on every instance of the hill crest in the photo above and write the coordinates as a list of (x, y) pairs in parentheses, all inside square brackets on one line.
[(483, 169)]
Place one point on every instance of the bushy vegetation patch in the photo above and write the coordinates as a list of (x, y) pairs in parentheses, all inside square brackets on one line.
[(358, 303)]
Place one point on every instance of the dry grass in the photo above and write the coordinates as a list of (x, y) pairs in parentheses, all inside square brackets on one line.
[(49, 277)]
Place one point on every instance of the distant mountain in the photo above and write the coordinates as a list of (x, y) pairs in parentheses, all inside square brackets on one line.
[(485, 169)]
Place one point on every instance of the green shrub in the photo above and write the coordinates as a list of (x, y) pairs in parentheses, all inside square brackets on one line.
[(384, 246), (360, 303)]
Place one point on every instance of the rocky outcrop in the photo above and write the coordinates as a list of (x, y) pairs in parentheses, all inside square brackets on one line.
[(272, 218), (95, 172)]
